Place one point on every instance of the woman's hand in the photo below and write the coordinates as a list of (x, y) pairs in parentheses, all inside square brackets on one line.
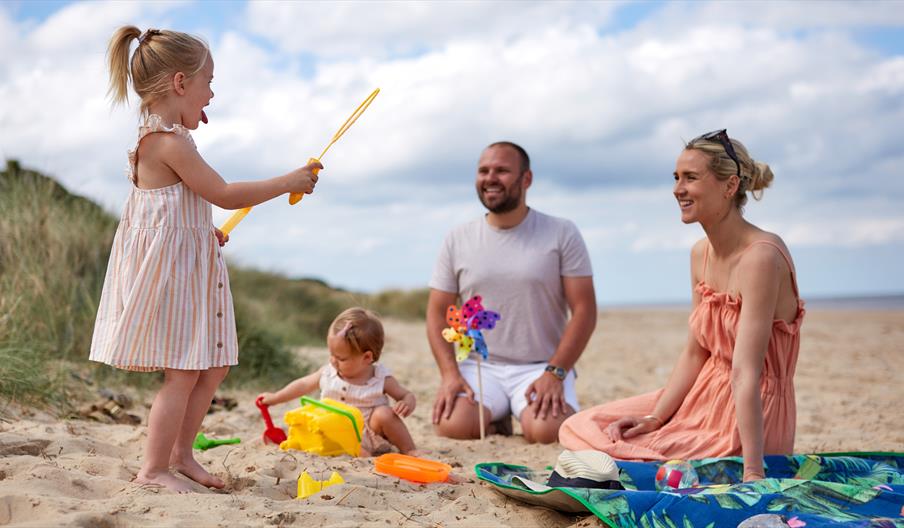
[(405, 406), (631, 426)]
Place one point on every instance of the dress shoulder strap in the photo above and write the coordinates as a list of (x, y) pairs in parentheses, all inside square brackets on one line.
[(153, 124), (784, 256)]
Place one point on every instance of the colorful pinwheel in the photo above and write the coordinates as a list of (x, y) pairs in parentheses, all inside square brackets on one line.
[(464, 331), (465, 327)]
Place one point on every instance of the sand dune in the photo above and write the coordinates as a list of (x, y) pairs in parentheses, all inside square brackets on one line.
[(77, 473)]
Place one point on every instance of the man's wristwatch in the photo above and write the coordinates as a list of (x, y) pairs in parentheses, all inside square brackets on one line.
[(558, 372)]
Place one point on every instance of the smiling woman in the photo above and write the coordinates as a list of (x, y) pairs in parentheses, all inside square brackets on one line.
[(732, 390)]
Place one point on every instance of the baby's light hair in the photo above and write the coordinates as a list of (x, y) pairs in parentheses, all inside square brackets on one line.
[(160, 55), (361, 329)]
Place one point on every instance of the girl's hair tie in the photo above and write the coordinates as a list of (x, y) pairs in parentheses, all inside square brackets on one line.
[(147, 34), (345, 329)]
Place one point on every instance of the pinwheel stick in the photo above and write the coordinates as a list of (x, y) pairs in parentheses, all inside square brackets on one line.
[(480, 399)]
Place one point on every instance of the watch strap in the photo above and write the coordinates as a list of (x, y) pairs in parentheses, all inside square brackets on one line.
[(558, 372)]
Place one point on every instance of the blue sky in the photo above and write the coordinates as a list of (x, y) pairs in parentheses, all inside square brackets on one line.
[(600, 94)]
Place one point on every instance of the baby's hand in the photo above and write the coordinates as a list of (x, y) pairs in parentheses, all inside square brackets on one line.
[(303, 180), (267, 398), (222, 237), (405, 406)]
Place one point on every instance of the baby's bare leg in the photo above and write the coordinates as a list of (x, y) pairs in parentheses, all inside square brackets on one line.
[(182, 458), (387, 424), (167, 411)]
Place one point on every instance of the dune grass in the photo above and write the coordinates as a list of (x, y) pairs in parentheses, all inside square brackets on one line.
[(54, 248)]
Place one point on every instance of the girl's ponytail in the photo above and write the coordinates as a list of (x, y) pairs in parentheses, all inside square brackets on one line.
[(118, 61)]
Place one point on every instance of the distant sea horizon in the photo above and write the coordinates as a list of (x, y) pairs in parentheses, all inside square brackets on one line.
[(888, 302)]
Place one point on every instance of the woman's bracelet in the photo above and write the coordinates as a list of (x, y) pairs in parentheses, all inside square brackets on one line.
[(656, 418)]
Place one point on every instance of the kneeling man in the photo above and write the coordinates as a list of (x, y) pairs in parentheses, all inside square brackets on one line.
[(533, 269)]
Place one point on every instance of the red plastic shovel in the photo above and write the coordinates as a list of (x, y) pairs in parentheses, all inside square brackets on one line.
[(273, 434)]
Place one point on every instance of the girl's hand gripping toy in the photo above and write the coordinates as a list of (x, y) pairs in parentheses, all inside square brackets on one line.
[(464, 331), (272, 434), (296, 197)]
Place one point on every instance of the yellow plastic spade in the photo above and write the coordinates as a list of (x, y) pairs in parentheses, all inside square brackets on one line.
[(294, 198)]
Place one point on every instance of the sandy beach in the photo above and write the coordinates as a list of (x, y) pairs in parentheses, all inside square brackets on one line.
[(57, 472)]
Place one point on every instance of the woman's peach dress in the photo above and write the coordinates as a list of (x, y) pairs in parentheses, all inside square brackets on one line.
[(705, 425)]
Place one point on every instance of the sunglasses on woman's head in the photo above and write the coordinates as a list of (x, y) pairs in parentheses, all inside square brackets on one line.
[(722, 137)]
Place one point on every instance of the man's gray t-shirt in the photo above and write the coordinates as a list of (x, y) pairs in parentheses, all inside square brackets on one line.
[(518, 272)]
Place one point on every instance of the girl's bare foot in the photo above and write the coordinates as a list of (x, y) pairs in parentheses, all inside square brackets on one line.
[(190, 467), (165, 479)]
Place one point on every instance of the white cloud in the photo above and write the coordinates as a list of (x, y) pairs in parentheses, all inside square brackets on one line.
[(791, 16), (602, 112), (331, 29), (853, 233)]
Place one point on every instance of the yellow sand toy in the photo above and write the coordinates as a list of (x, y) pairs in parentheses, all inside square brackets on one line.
[(325, 427), (307, 486)]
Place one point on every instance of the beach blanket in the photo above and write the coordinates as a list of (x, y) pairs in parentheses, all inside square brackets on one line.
[(818, 490)]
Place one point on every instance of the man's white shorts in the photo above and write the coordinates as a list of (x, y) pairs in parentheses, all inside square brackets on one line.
[(504, 386)]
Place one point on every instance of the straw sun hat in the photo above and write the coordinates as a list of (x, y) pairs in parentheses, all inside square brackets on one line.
[(579, 469), (573, 469)]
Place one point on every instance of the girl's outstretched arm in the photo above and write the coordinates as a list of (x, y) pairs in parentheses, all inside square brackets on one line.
[(183, 158), (295, 389), (405, 401)]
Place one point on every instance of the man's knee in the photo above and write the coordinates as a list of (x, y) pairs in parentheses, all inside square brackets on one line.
[(540, 431), (464, 423), (458, 431)]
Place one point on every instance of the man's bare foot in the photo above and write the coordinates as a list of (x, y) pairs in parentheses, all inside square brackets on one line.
[(165, 479), (193, 470)]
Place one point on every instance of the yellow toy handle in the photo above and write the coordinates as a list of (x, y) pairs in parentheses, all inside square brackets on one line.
[(294, 198), (234, 220)]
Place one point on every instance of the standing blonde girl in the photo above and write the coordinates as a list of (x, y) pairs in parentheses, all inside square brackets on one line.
[(166, 303)]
